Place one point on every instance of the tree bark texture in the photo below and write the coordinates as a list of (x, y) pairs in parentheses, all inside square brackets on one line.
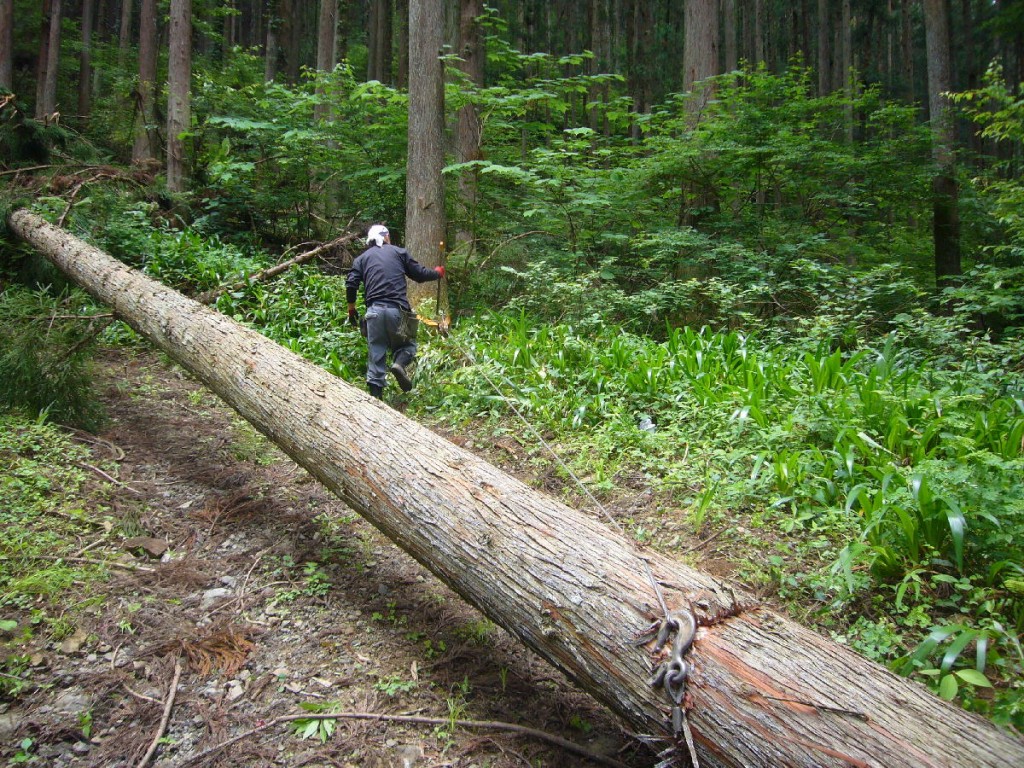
[(700, 51), (468, 128), (147, 139), (326, 51), (945, 191), (271, 50), (7, 44), (124, 35), (179, 79), (425, 219), (85, 60), (49, 60), (764, 691)]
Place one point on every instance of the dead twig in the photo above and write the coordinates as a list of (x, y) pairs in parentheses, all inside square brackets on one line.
[(168, 705), (702, 544), (112, 563), (109, 478), (550, 738)]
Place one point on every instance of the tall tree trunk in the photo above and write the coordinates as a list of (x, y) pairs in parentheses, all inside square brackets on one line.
[(85, 61), (763, 691), (124, 36), (293, 13), (760, 31), (700, 50), (378, 59), (847, 57), (729, 29), (946, 221), (147, 138), (402, 44), (326, 50), (468, 128), (700, 61), (179, 80), (907, 50), (272, 50), (824, 49), (7, 44), (424, 195), (49, 60)]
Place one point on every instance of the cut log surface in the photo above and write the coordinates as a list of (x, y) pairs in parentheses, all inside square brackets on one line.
[(764, 691)]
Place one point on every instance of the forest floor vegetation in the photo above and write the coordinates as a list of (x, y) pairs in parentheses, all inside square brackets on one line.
[(177, 544)]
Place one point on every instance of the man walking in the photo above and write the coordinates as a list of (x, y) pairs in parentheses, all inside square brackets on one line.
[(390, 322)]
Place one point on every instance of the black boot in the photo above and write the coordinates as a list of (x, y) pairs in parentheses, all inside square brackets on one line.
[(376, 390), (399, 369)]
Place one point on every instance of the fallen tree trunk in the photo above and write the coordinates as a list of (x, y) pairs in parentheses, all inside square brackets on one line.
[(764, 691)]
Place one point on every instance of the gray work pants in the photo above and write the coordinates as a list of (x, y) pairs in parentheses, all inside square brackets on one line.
[(382, 335)]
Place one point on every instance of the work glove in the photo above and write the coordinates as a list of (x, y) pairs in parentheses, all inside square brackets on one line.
[(440, 271), (353, 317)]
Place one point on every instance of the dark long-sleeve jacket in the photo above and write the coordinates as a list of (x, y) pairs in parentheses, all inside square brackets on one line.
[(382, 270)]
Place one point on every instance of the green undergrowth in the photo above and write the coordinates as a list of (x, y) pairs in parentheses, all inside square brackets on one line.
[(47, 509), (881, 482), (862, 461)]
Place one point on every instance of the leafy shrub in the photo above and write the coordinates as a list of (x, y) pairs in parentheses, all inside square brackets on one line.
[(44, 366)]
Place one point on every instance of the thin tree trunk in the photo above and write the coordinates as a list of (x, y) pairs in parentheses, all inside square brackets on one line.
[(7, 44), (402, 46), (760, 30), (468, 128), (946, 221), (272, 47), (124, 36), (147, 140), (179, 77), (847, 41), (907, 50), (763, 690), (49, 59), (824, 49), (326, 50), (85, 61), (729, 29), (424, 198)]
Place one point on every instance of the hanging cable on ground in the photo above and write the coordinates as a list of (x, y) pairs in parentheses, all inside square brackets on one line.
[(672, 674)]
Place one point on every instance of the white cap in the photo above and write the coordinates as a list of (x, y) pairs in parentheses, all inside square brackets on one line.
[(377, 234)]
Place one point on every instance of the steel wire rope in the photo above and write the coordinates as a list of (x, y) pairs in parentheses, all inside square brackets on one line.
[(674, 688), (558, 459)]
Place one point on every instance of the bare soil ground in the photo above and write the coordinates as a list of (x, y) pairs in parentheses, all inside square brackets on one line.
[(272, 596)]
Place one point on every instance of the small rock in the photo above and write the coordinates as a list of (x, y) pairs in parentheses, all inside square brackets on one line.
[(80, 748), (235, 690), (146, 545), (73, 701), (229, 581), (73, 644), (10, 722), (408, 755), (211, 596)]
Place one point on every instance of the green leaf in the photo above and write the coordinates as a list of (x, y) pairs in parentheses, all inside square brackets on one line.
[(7, 625), (948, 687), (973, 677)]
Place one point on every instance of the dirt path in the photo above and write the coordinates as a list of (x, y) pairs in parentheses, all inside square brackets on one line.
[(273, 599)]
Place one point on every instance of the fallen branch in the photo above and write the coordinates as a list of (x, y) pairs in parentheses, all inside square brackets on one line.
[(113, 563), (209, 297), (493, 725), (168, 705), (108, 477)]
